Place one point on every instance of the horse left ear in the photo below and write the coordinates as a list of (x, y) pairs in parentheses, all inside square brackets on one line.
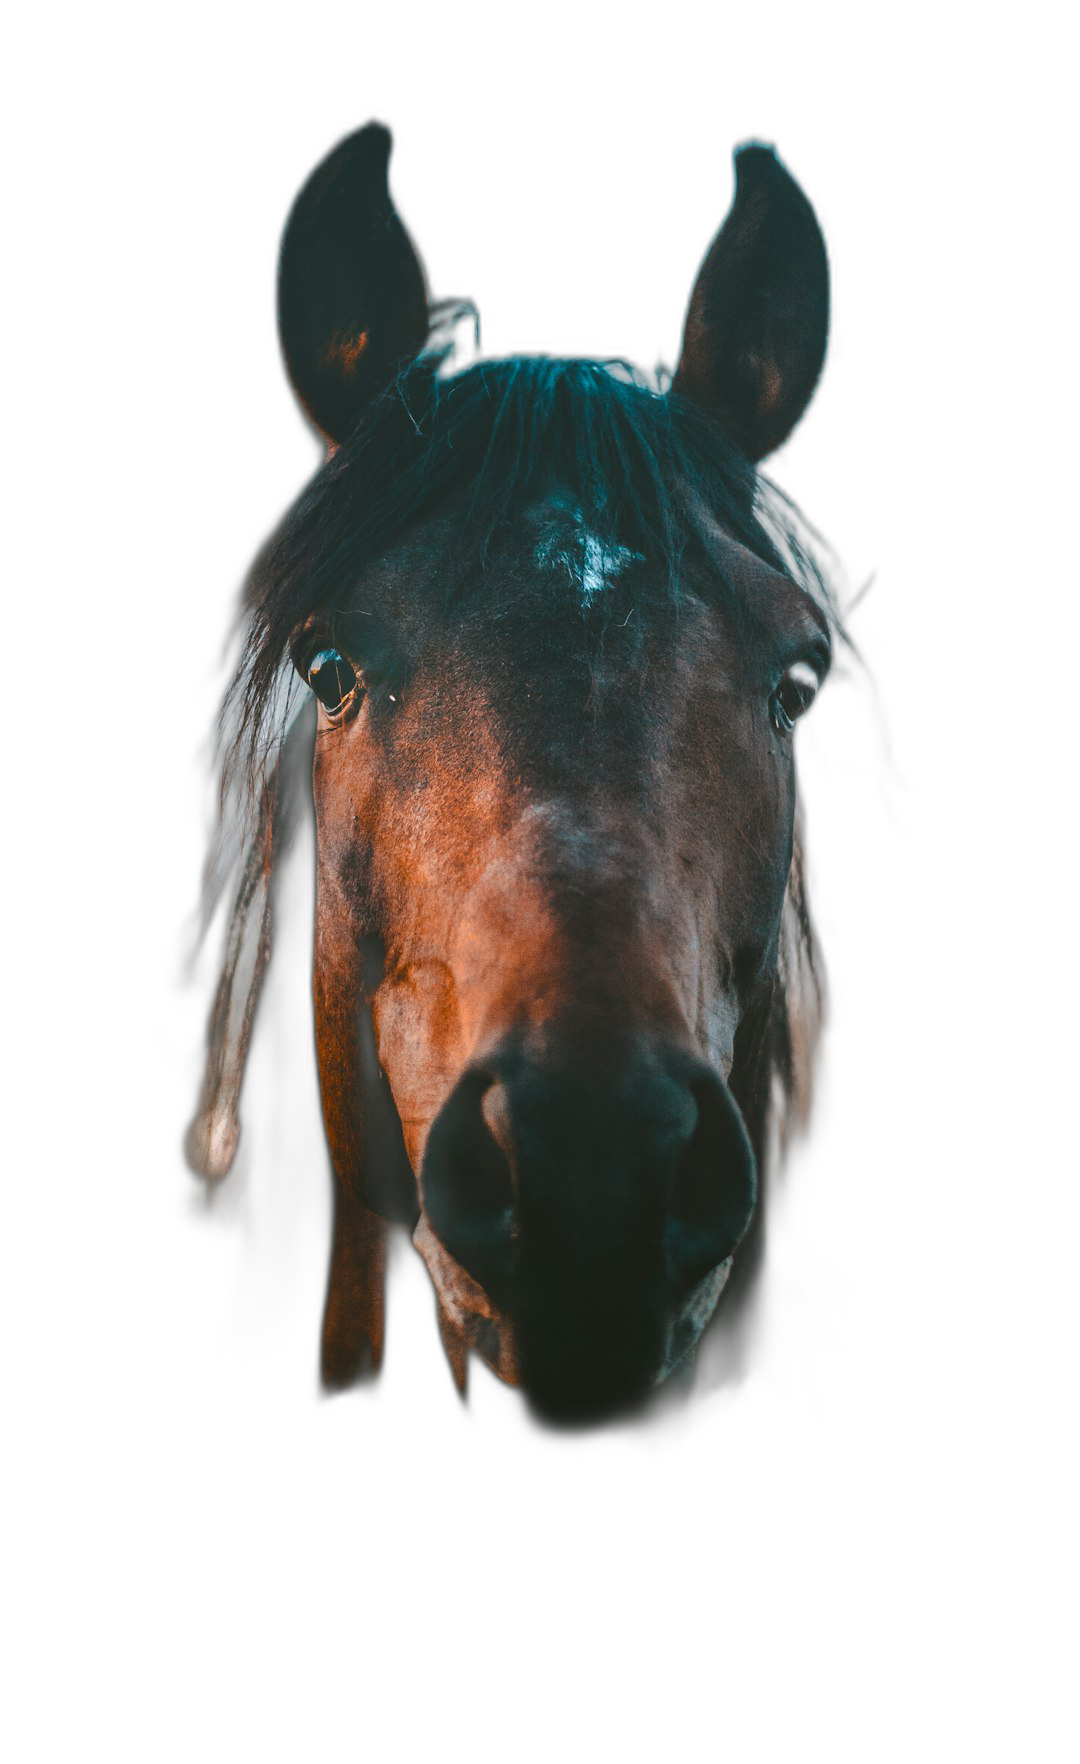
[(759, 315), (352, 300)]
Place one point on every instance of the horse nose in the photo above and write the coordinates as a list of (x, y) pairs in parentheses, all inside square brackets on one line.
[(648, 1167)]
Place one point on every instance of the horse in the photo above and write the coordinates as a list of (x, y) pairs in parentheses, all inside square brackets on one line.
[(542, 631)]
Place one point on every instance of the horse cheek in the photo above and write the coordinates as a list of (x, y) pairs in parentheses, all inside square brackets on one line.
[(337, 996), (418, 1036), (757, 844)]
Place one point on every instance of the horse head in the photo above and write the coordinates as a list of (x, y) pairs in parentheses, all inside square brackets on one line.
[(558, 637)]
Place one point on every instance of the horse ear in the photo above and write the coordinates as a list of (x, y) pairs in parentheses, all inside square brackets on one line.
[(352, 301), (759, 314)]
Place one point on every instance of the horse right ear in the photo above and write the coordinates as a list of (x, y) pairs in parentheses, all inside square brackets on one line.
[(352, 300)]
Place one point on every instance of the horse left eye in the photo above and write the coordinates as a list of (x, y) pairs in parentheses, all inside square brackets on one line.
[(794, 695), (331, 678)]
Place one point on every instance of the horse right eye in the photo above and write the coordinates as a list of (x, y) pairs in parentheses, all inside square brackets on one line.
[(332, 679)]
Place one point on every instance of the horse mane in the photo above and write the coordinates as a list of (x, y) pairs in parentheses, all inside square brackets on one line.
[(638, 461)]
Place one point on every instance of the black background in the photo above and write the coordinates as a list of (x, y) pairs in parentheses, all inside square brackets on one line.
[(572, 200)]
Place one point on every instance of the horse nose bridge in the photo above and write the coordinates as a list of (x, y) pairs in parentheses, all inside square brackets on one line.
[(603, 1183), (596, 927)]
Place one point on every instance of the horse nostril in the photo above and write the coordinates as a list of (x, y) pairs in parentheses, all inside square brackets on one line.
[(714, 1190), (495, 1108), (468, 1186)]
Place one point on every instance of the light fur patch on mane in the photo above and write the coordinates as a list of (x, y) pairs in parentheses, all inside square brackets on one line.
[(805, 995), (239, 882)]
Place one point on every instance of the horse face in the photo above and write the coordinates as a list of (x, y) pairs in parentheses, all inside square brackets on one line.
[(558, 828), (555, 805)]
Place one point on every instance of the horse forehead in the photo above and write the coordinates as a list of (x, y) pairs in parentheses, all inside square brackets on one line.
[(558, 563)]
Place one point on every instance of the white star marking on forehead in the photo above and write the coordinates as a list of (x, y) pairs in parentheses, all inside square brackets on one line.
[(588, 559)]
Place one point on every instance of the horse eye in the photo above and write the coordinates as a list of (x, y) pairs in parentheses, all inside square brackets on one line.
[(794, 695), (331, 679)]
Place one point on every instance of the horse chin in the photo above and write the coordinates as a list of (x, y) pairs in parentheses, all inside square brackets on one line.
[(466, 1315), (570, 1396)]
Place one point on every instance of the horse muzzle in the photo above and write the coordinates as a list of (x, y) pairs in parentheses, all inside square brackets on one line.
[(579, 1217)]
